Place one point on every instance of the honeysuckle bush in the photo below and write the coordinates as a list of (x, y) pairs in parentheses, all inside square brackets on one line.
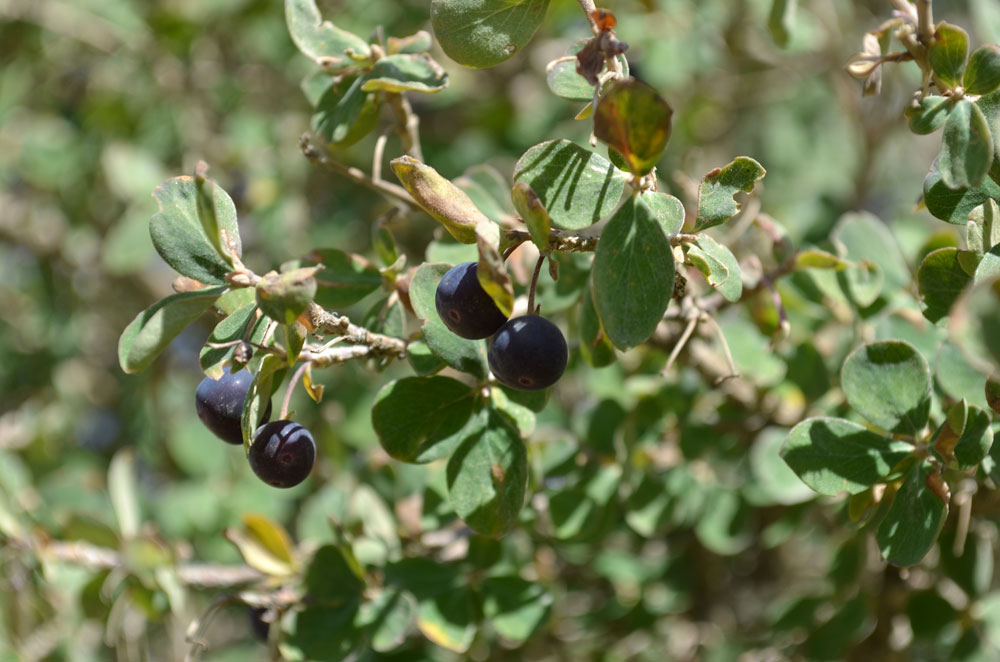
[(774, 439)]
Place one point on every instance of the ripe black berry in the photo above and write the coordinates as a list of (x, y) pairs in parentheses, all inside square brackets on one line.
[(258, 626), (282, 453), (219, 404), (528, 353), (464, 306)]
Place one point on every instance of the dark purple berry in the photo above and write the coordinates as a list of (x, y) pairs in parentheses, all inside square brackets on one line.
[(528, 353), (219, 404), (282, 453), (464, 306), (258, 625)]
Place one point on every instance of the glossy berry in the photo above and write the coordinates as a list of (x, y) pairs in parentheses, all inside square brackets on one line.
[(528, 353), (464, 306), (219, 404), (282, 453)]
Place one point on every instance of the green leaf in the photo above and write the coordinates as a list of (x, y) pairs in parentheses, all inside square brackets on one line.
[(941, 280), (488, 190), (484, 33), (533, 213), (595, 346), (212, 207), (459, 353), (579, 510), (948, 52), (152, 330), (990, 105), (179, 237), (487, 476), (421, 419), (988, 266), (576, 186), (322, 41), (634, 119), (957, 378), (416, 43), (345, 279), (966, 148), (781, 20), (975, 325), (715, 197), (831, 455), (667, 209), (406, 73), (320, 633), (124, 493), (387, 618), (565, 82), (982, 76), (718, 265), (778, 483), (889, 383), (231, 329), (928, 114), (346, 113), (330, 579), (516, 608), (449, 619), (914, 519), (955, 205), (445, 202), (726, 527), (633, 273), (976, 439)]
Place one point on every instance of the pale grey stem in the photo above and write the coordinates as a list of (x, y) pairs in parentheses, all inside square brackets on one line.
[(327, 323), (679, 345), (925, 22), (408, 124), (319, 155)]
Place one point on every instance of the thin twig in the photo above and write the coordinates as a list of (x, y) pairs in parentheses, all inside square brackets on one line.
[(534, 283), (925, 22), (559, 241), (733, 372), (679, 345), (324, 358), (328, 323), (291, 387), (319, 155), (192, 574), (377, 158), (589, 8)]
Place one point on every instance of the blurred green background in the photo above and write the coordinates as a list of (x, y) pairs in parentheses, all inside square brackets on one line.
[(101, 100)]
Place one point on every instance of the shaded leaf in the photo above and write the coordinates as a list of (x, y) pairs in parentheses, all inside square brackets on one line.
[(718, 265), (490, 270), (346, 113), (948, 52), (406, 73), (955, 205), (633, 273), (941, 280), (179, 237), (533, 213), (966, 148), (152, 330), (831, 455), (516, 608), (576, 186), (487, 476), (345, 279), (982, 75), (889, 383), (914, 519), (420, 419), (928, 114)]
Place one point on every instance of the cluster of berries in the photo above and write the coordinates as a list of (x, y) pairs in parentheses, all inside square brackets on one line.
[(526, 353), (282, 452)]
